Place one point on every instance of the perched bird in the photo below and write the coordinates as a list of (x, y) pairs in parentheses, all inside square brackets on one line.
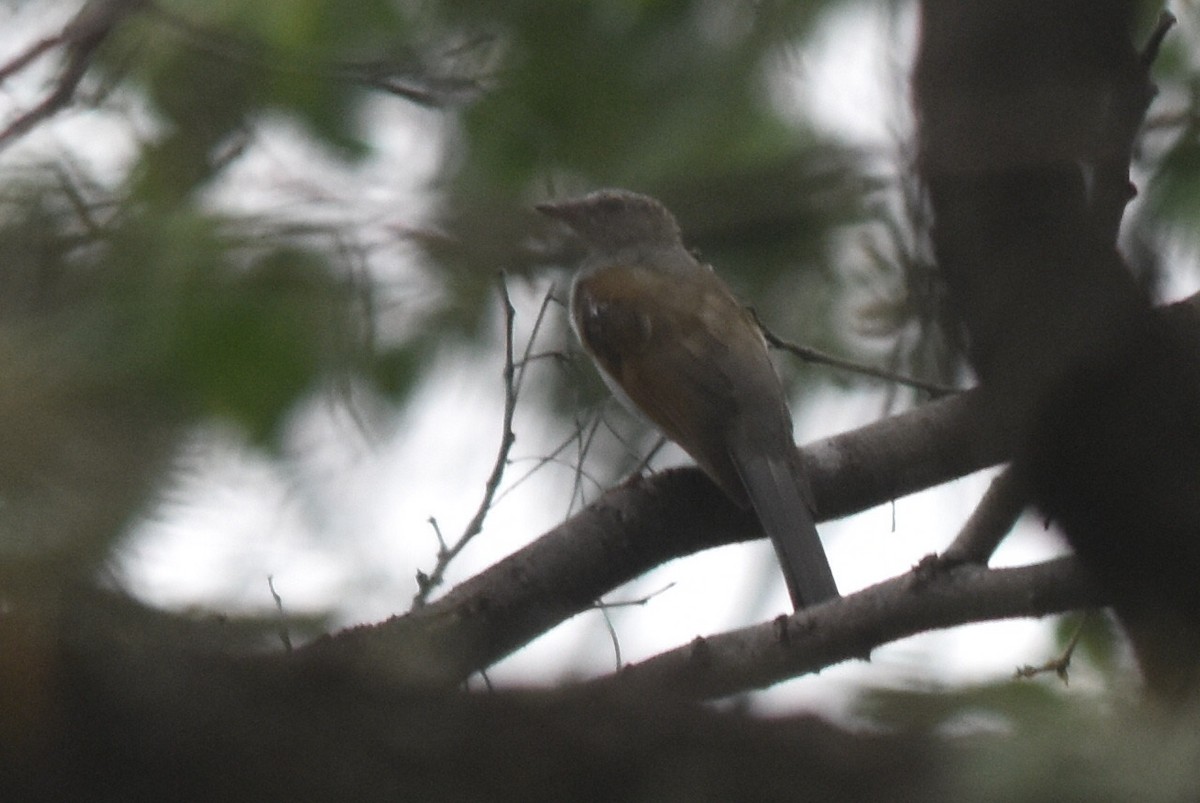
[(673, 343)]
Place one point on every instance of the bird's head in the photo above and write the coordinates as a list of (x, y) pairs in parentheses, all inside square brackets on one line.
[(610, 221)]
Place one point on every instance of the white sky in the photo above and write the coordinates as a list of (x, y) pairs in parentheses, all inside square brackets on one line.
[(345, 522)]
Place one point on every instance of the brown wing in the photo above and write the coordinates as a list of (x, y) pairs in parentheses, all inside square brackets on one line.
[(667, 344)]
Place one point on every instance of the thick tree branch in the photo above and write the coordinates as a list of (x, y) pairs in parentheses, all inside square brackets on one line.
[(646, 522), (924, 599), (991, 521)]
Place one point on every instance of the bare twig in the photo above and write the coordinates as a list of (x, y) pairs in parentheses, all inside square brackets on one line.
[(555, 355), (1062, 663), (605, 607), (436, 93), (585, 443), (613, 637), (19, 62), (437, 531), (643, 459), (1149, 54), (644, 463), (552, 457), (821, 358), (284, 636), (74, 197), (636, 602), (507, 438), (79, 40), (538, 320)]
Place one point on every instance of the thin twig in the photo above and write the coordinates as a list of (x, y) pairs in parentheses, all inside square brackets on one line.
[(435, 93), (507, 438), (544, 460), (555, 355), (19, 62), (1062, 663), (821, 358), (636, 602), (538, 320), (284, 636), (585, 444), (74, 197), (79, 40), (644, 464), (437, 531), (612, 635), (643, 461)]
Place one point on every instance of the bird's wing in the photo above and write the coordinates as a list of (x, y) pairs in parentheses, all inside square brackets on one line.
[(642, 330)]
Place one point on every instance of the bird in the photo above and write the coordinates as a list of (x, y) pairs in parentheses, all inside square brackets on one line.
[(675, 345)]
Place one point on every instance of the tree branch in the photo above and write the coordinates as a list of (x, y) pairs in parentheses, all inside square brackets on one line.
[(646, 522), (79, 40), (850, 627), (991, 521)]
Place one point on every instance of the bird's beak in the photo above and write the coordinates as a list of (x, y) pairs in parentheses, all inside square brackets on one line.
[(565, 211), (568, 213)]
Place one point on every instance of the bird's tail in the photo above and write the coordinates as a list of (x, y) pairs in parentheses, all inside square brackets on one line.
[(776, 489)]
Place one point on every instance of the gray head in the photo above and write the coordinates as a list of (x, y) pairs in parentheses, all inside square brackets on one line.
[(610, 221)]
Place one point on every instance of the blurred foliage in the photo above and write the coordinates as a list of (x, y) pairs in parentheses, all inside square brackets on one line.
[(1025, 740), (672, 98), (685, 111), (114, 336), (669, 98)]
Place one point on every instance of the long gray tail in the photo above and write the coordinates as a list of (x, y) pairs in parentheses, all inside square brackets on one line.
[(774, 485)]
